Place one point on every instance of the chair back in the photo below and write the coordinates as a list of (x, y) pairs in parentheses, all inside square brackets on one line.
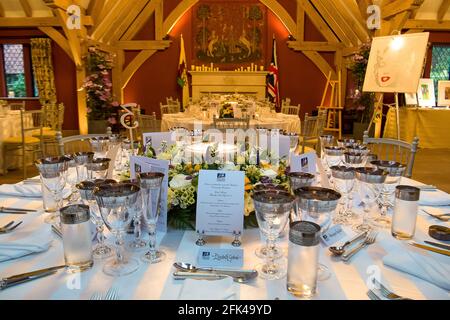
[(17, 105), (394, 150), (77, 143), (167, 108), (286, 102), (321, 122), (54, 116), (31, 122), (309, 126), (231, 123), (292, 110)]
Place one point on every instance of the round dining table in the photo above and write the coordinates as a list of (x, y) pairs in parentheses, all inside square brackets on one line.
[(289, 123), (155, 281)]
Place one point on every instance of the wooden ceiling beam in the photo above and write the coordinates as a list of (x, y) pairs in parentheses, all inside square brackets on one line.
[(427, 25), (140, 21), (95, 8), (2, 11), (300, 22), (56, 36), (117, 22), (38, 22), (314, 46), (142, 44), (443, 8), (111, 18), (159, 20), (26, 8), (125, 24), (321, 63), (399, 6), (353, 19), (318, 21)]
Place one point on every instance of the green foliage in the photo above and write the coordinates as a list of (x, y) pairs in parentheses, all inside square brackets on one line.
[(16, 83), (182, 218), (255, 13)]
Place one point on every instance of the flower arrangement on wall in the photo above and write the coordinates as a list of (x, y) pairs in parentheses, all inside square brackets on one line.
[(98, 86)]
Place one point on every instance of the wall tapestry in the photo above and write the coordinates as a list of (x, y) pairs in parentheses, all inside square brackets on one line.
[(229, 32)]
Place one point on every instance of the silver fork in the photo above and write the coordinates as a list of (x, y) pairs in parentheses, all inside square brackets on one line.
[(112, 294), (7, 225), (372, 295), (96, 296), (10, 228), (370, 239), (387, 293), (442, 217)]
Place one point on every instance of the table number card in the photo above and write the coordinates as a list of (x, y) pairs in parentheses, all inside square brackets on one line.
[(304, 162), (220, 202), (144, 164)]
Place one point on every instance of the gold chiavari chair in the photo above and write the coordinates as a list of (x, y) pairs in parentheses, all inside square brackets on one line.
[(292, 110), (394, 150), (78, 143), (309, 137), (17, 105), (26, 144), (53, 119), (165, 109)]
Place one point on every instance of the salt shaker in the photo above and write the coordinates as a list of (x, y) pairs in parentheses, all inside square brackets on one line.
[(303, 258), (405, 212), (76, 236)]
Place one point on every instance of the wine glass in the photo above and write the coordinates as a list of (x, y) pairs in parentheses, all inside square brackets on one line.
[(100, 146), (151, 184), (369, 184), (71, 178), (395, 171), (293, 140), (114, 201), (137, 244), (333, 157), (52, 172), (326, 140), (86, 189), (98, 168), (81, 159), (298, 180), (317, 205), (346, 142), (354, 160), (343, 181), (272, 209), (269, 248)]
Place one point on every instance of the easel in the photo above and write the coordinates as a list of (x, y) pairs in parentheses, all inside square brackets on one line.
[(334, 109)]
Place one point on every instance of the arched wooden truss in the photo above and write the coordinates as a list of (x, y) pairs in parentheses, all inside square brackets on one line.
[(112, 25)]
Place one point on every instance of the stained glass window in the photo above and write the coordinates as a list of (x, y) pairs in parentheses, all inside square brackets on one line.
[(14, 70), (440, 65)]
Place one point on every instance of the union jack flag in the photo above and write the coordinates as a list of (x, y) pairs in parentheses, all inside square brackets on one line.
[(272, 78)]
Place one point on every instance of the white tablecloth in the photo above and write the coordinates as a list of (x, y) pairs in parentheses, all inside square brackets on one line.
[(10, 127), (347, 281), (290, 123)]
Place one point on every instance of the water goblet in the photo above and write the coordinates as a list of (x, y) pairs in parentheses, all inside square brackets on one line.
[(81, 159), (371, 157), (326, 140), (86, 189), (151, 184), (298, 180), (272, 208), (138, 243), (52, 172), (343, 181), (346, 142), (333, 157), (114, 201), (293, 140), (99, 145), (357, 148), (98, 168), (369, 185), (71, 178), (395, 171), (318, 205), (354, 160)]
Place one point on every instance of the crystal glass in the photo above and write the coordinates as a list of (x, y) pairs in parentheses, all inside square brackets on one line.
[(318, 205), (71, 179), (343, 182), (371, 157), (346, 142), (81, 159), (298, 180), (269, 248), (138, 243), (53, 174), (354, 160), (114, 201), (369, 185), (99, 146), (326, 140), (395, 171), (405, 212), (333, 157), (116, 140), (293, 140), (151, 183), (98, 168), (86, 189), (272, 209)]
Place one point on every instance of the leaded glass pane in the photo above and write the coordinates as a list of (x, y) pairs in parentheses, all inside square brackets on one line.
[(440, 65)]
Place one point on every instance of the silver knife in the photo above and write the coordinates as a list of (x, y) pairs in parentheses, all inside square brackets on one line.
[(17, 209), (439, 245), (29, 276), (181, 275)]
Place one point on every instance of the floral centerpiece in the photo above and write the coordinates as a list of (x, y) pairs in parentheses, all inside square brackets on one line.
[(183, 181), (226, 111), (98, 86)]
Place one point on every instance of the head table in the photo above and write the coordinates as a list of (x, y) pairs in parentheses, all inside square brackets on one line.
[(347, 281)]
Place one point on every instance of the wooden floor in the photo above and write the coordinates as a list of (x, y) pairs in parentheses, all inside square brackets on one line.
[(432, 166)]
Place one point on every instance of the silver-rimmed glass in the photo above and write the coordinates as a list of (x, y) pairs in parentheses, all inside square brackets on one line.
[(138, 243), (369, 185), (395, 171), (354, 160), (293, 140), (346, 142), (81, 159), (343, 182), (333, 156), (298, 180), (99, 145), (52, 172), (318, 205), (86, 190), (114, 201), (326, 140), (98, 168), (71, 178), (272, 209), (151, 184)]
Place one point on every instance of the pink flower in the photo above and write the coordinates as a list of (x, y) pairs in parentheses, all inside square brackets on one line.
[(88, 110), (115, 104), (112, 120), (104, 72), (101, 66)]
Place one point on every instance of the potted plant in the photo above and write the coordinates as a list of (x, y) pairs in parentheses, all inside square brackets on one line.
[(362, 102), (98, 86)]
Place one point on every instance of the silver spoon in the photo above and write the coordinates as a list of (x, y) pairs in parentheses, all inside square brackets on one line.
[(247, 274), (341, 249)]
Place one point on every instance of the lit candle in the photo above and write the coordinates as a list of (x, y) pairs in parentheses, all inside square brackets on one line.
[(253, 66), (261, 68), (193, 67)]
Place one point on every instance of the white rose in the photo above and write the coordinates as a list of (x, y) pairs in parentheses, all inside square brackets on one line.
[(269, 173), (229, 166), (179, 181)]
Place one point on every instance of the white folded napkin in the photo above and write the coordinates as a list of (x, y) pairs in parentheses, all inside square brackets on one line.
[(425, 265), (208, 289), (434, 198), (21, 190), (32, 236)]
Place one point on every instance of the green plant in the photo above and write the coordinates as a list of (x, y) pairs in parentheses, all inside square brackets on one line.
[(16, 83)]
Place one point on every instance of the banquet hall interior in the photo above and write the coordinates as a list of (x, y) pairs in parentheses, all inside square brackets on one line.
[(355, 87)]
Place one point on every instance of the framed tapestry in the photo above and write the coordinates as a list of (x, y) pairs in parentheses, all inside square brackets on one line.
[(229, 33)]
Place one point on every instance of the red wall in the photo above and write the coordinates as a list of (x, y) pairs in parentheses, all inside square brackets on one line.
[(300, 79)]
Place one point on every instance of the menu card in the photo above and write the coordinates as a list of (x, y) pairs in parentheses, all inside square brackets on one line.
[(220, 202), (143, 164), (304, 162)]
